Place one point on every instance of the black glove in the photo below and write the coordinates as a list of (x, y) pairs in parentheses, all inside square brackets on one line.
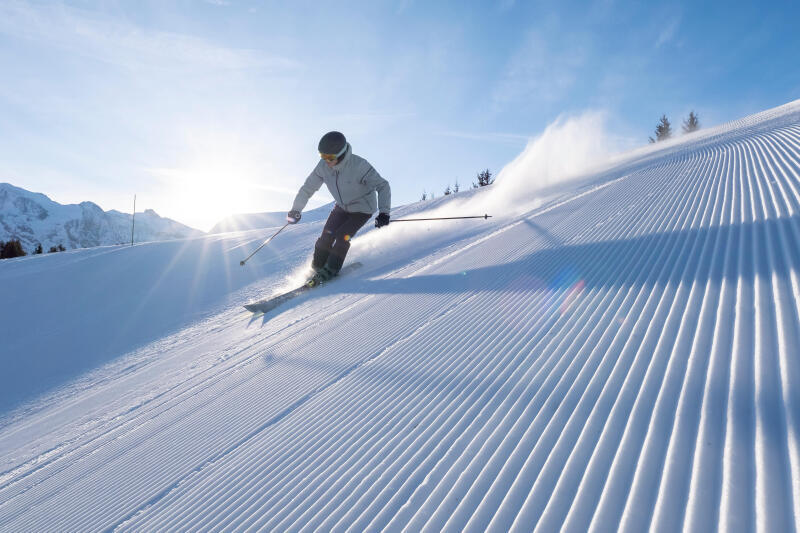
[(293, 217), (382, 220)]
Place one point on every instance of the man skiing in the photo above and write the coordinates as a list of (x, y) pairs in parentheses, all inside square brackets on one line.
[(353, 183)]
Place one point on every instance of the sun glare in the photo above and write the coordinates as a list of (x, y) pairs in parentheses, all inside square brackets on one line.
[(219, 175), (201, 198), (205, 192)]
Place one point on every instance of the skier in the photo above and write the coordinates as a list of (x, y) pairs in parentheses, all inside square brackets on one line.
[(353, 183)]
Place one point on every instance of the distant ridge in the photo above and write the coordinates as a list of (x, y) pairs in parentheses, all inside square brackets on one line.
[(34, 219)]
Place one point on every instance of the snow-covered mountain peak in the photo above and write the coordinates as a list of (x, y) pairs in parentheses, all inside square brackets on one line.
[(35, 219)]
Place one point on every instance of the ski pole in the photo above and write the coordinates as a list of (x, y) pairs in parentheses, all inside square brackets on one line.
[(263, 245), (440, 218)]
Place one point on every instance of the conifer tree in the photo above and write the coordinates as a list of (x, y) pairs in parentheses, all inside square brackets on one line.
[(38, 249), (663, 130), (448, 191), (11, 249), (485, 178), (691, 124)]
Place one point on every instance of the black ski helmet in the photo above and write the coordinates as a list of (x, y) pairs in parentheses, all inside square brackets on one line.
[(332, 142)]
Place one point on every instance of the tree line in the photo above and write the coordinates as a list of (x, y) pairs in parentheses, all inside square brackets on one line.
[(13, 248), (484, 178), (664, 127)]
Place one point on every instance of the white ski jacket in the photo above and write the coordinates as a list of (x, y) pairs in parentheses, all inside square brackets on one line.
[(353, 183)]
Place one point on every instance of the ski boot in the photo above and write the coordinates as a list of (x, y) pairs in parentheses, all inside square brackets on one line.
[(320, 276)]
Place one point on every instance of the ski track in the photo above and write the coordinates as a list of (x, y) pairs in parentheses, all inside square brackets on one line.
[(625, 357)]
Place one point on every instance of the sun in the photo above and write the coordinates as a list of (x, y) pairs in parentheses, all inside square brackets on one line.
[(202, 195), (209, 199), (217, 176)]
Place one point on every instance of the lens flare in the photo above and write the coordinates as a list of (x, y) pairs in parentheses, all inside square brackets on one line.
[(572, 296)]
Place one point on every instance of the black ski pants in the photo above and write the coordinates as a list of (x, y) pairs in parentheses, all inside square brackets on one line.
[(332, 246)]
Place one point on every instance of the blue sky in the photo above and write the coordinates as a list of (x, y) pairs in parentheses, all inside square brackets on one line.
[(206, 108)]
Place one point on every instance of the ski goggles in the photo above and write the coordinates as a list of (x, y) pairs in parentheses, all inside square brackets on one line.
[(333, 157)]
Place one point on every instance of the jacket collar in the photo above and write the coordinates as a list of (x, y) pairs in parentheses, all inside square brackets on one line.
[(345, 158)]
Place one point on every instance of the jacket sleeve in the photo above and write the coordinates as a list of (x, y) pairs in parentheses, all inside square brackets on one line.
[(377, 183), (307, 190)]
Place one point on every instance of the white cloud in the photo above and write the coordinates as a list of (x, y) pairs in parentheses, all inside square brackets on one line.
[(668, 32), (540, 70), (505, 138), (387, 116), (118, 42), (506, 5), (403, 6)]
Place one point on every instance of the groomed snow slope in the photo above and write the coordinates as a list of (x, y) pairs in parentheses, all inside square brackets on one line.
[(624, 356)]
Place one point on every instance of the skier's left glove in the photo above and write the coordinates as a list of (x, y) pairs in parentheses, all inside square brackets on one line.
[(293, 217), (382, 220)]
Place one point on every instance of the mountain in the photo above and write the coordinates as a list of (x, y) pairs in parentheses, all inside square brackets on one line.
[(33, 218), (620, 353), (250, 221)]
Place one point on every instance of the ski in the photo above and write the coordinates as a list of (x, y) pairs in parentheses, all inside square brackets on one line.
[(268, 304)]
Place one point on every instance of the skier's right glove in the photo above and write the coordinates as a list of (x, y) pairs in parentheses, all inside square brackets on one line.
[(382, 220), (293, 217)]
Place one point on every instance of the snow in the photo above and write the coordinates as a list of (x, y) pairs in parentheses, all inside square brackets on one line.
[(621, 352)]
